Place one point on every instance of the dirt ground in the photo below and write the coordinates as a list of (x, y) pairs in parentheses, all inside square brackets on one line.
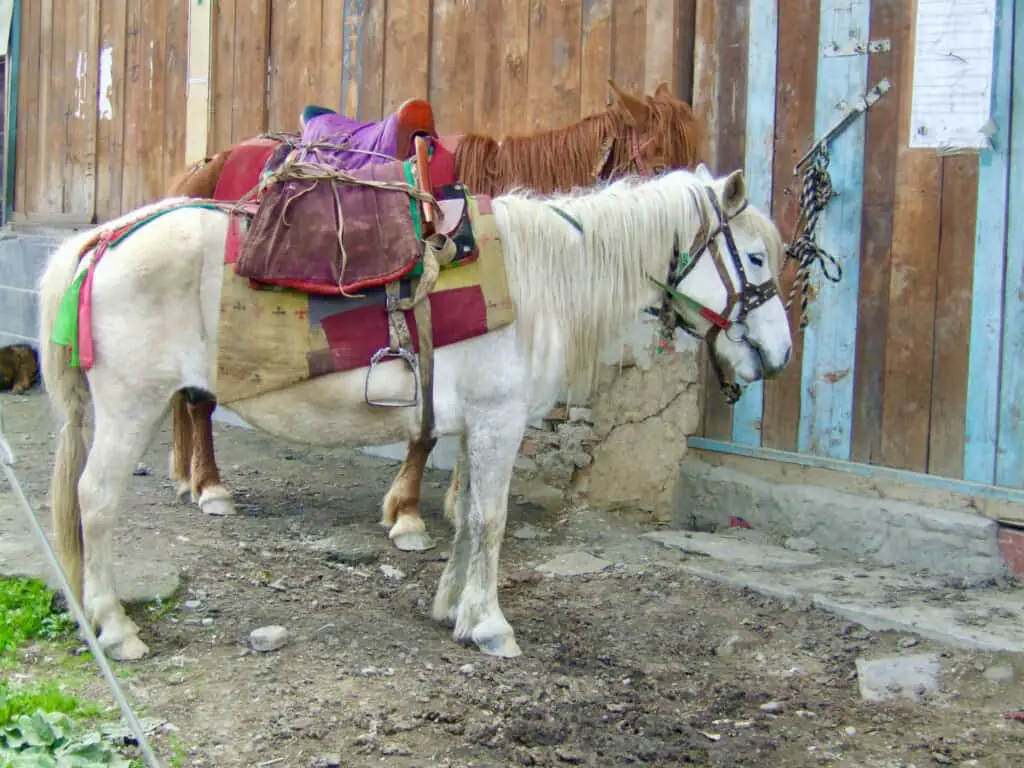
[(640, 664)]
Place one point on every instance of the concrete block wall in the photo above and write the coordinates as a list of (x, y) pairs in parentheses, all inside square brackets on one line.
[(22, 258)]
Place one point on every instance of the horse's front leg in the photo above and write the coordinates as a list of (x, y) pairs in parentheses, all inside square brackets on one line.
[(401, 508), (468, 589), (207, 489)]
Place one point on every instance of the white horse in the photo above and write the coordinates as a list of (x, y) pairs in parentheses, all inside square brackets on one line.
[(580, 267)]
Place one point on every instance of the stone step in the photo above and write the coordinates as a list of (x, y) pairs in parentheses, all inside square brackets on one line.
[(890, 532)]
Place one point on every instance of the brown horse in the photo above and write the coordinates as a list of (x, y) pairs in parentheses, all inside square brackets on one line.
[(633, 135)]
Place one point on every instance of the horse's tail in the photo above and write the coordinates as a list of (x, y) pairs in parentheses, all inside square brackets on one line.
[(69, 396)]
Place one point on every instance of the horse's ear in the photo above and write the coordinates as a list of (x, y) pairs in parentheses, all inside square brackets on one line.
[(732, 191), (702, 173), (663, 93), (635, 107)]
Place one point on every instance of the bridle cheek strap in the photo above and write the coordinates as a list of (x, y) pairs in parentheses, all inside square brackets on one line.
[(748, 297), (634, 161)]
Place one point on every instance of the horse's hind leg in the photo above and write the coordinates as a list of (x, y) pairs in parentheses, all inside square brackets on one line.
[(181, 445), (402, 502), (122, 430), (207, 489)]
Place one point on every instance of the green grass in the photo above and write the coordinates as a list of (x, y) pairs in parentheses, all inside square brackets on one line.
[(47, 695), (44, 722), (26, 607)]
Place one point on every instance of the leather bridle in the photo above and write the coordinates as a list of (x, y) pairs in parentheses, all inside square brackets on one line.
[(749, 297), (634, 163)]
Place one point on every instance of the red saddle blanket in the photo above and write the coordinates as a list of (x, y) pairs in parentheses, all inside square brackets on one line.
[(276, 337)]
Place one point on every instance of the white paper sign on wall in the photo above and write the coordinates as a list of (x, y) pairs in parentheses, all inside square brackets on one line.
[(953, 64)]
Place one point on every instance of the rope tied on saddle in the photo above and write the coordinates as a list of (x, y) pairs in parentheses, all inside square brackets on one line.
[(815, 194), (317, 148)]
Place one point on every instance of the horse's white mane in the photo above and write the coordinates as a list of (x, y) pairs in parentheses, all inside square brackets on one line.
[(591, 284)]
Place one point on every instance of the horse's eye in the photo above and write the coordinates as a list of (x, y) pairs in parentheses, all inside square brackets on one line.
[(757, 259)]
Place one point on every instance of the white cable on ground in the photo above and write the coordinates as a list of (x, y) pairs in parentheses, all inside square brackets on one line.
[(7, 459)]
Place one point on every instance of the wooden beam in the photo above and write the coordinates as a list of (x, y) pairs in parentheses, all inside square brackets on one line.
[(981, 425), (796, 80), (759, 161), (826, 407), (11, 111), (881, 138), (197, 99), (1009, 448)]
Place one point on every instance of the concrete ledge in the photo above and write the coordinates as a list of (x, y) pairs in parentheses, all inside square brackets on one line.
[(891, 532)]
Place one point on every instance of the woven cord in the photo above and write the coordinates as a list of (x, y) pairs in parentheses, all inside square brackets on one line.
[(815, 194)]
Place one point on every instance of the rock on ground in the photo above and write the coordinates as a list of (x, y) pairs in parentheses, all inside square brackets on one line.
[(270, 638), (573, 564), (907, 676)]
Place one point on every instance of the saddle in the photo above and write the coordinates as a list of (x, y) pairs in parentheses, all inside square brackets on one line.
[(319, 235), (339, 236), (337, 214), (366, 143)]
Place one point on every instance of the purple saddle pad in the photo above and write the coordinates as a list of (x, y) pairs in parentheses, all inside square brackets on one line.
[(366, 143)]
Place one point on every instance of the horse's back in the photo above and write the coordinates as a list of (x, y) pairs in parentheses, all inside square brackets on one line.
[(199, 179)]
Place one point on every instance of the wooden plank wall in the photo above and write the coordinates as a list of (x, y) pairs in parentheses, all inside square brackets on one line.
[(101, 107), (497, 66), (1009, 468), (981, 429), (881, 374), (105, 133)]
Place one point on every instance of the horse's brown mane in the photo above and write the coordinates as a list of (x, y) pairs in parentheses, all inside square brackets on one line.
[(563, 158)]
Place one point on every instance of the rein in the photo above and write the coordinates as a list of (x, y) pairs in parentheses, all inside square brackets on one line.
[(815, 193)]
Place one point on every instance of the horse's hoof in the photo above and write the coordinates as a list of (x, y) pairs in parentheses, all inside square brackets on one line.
[(503, 646), (184, 489), (409, 534), (413, 541), (216, 501), (218, 507), (128, 649)]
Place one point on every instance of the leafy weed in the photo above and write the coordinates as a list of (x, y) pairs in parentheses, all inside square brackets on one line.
[(27, 610)]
